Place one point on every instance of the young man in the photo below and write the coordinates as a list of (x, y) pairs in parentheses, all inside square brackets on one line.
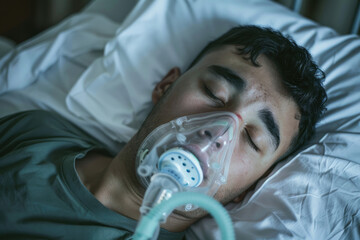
[(57, 182)]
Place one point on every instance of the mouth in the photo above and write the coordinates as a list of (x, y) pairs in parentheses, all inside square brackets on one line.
[(201, 156)]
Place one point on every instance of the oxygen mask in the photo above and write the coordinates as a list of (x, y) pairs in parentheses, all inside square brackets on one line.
[(190, 153)]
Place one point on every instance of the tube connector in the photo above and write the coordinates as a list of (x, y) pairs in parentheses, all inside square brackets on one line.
[(162, 187), (149, 223)]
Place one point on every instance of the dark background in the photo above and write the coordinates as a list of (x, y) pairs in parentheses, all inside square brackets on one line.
[(22, 19)]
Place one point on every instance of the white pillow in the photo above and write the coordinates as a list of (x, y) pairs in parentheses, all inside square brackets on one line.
[(313, 195), (39, 73)]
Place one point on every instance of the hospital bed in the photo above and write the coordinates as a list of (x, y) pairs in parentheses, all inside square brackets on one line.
[(98, 67)]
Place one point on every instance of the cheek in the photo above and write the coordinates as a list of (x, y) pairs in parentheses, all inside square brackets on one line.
[(239, 179), (244, 169), (240, 174), (243, 173)]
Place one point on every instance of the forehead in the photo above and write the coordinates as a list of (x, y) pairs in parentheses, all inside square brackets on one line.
[(263, 89), (267, 74)]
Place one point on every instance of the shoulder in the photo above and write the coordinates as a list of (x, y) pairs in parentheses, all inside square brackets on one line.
[(32, 117), (39, 125), (23, 122)]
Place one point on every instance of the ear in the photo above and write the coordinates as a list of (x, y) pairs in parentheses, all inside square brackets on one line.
[(165, 83)]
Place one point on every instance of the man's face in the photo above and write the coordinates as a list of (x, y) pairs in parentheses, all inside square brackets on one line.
[(225, 81)]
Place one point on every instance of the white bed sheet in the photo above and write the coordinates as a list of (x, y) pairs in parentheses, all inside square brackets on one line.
[(91, 74)]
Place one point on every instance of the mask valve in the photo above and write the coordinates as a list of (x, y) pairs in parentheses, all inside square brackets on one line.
[(183, 166)]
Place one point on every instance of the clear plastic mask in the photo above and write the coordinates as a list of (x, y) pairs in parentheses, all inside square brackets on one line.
[(194, 150)]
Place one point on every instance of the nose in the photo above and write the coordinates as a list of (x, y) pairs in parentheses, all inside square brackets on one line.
[(215, 136)]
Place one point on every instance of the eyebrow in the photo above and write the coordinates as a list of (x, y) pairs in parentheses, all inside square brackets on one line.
[(229, 75), (267, 118), (265, 115)]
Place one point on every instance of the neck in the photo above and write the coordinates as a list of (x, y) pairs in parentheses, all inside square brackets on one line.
[(113, 182)]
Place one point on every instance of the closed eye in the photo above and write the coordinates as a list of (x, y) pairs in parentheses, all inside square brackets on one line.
[(213, 96), (251, 142)]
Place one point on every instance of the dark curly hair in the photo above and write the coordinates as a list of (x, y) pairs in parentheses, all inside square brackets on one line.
[(301, 77)]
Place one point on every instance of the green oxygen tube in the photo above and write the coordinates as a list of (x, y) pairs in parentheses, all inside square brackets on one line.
[(150, 222)]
